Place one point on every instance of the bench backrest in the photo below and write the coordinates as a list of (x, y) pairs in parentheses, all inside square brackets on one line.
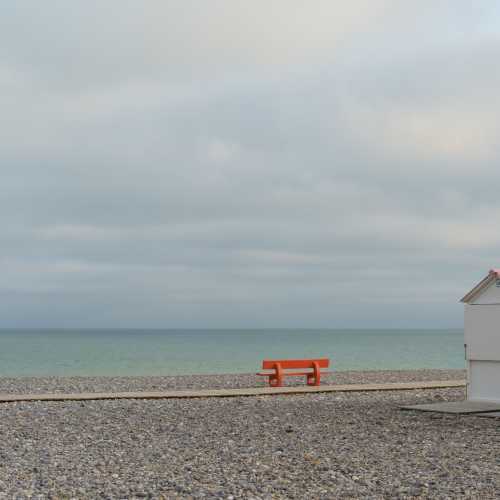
[(268, 364)]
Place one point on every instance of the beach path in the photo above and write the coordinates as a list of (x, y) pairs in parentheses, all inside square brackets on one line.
[(233, 392)]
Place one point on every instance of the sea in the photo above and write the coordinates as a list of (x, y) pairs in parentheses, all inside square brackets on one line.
[(180, 352)]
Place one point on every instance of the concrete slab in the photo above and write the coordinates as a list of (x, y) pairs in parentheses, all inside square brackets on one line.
[(457, 407), (491, 414), (218, 393)]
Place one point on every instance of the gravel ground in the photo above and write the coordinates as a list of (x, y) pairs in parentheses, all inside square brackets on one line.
[(333, 445), (24, 385)]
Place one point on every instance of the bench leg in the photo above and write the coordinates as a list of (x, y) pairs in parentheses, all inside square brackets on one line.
[(314, 378), (276, 379)]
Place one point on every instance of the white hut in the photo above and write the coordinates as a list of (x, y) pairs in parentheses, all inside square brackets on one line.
[(482, 338)]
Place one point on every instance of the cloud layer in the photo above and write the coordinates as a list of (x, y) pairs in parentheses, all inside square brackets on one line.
[(220, 164)]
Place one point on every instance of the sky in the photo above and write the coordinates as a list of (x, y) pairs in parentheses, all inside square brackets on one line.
[(236, 164)]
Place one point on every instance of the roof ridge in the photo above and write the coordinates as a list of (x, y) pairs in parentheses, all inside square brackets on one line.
[(492, 274)]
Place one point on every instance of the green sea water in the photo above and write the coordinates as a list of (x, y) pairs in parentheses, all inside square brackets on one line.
[(170, 352)]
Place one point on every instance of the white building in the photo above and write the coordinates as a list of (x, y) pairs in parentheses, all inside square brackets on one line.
[(482, 338)]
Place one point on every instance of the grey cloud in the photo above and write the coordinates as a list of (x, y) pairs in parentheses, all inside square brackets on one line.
[(269, 185)]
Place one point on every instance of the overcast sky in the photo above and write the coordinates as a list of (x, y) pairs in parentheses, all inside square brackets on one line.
[(263, 163)]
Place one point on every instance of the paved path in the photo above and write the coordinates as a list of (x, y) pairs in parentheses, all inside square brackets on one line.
[(221, 393), (458, 407)]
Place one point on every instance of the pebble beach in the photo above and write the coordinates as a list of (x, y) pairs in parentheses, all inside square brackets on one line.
[(330, 445)]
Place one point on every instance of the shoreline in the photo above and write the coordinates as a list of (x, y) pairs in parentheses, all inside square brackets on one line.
[(71, 384)]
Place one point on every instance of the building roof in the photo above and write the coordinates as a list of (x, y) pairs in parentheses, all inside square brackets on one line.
[(493, 275)]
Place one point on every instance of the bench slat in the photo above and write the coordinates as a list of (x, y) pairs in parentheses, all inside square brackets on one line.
[(266, 374), (268, 364)]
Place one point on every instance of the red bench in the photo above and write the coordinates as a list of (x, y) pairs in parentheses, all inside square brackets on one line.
[(313, 367)]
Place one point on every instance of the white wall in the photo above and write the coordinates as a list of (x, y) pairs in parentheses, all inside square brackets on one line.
[(482, 332), (484, 380), (482, 336)]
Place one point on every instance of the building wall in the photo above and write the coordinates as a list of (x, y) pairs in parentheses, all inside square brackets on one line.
[(482, 332), (482, 336), (484, 380)]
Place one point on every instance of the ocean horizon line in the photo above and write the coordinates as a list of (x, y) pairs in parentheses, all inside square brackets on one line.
[(216, 329)]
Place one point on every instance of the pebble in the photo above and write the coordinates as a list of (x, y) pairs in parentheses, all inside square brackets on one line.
[(347, 445)]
